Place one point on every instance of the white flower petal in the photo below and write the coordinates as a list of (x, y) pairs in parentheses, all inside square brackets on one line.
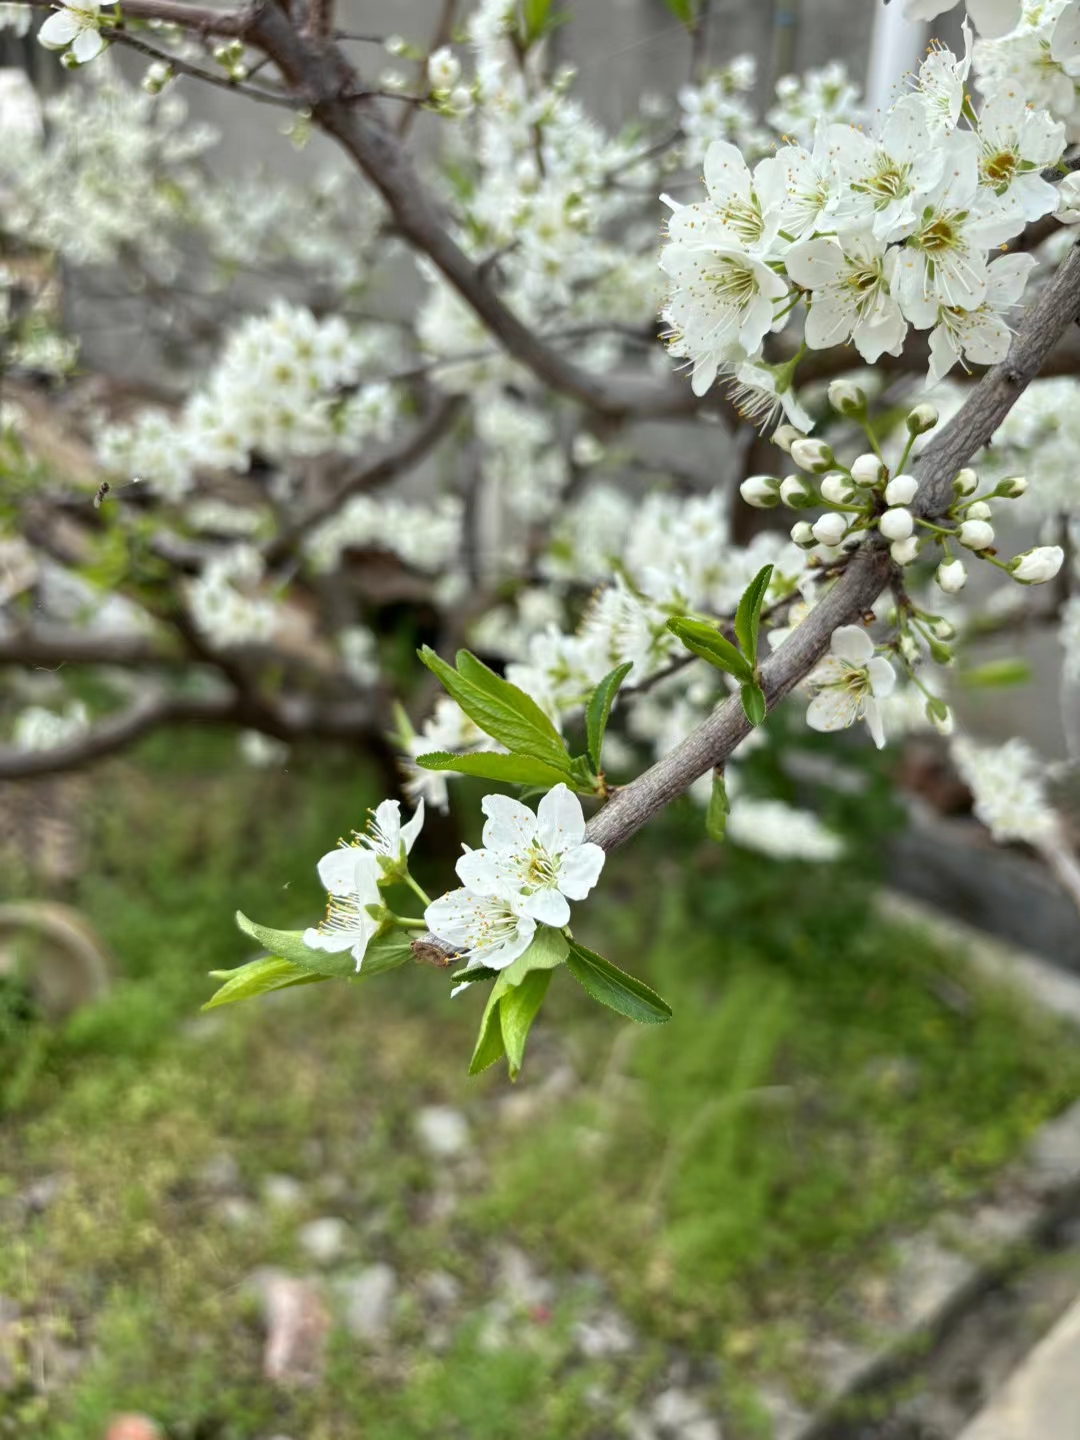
[(580, 870), (59, 30), (87, 44), (510, 825), (853, 644), (832, 709), (337, 870), (560, 821), (548, 907), (411, 829)]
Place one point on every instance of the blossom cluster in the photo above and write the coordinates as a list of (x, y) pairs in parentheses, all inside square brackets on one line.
[(874, 232)]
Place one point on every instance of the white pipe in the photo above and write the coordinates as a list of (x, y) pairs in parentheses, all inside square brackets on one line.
[(896, 48)]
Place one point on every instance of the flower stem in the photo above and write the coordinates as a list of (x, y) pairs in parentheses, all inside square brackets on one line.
[(406, 922), (420, 894)]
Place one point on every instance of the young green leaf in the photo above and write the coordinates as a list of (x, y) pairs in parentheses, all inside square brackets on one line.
[(489, 1043), (707, 642), (719, 809), (614, 988), (548, 949), (598, 709), (289, 945), (511, 769), (500, 709), (748, 615), (518, 1008), (685, 11), (753, 702), (259, 977), (385, 952)]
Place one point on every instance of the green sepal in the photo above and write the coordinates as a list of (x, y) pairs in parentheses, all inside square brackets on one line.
[(500, 709), (598, 710), (706, 642), (615, 988), (748, 615), (718, 809), (259, 977), (492, 765), (753, 702)]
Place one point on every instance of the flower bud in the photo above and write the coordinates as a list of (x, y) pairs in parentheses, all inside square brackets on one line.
[(978, 510), (847, 398), (896, 524), (924, 417), (761, 491), (784, 436), (868, 470), (396, 45), (830, 529), (976, 535), (802, 535), (443, 68), (587, 449), (837, 489), (942, 628), (812, 455), (459, 101), (952, 576), (942, 654), (939, 715), (1013, 487), (1037, 566), (966, 482), (795, 492), (901, 490), (904, 552)]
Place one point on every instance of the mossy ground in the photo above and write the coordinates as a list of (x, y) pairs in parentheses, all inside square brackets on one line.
[(829, 1079)]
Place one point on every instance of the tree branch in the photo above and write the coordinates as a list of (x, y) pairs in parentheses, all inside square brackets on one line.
[(865, 577), (398, 462), (50, 646), (192, 17)]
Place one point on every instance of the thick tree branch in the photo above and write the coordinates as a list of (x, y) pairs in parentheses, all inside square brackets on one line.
[(866, 575), (50, 646), (290, 718)]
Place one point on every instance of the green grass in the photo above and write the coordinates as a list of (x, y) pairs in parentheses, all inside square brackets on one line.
[(829, 1079)]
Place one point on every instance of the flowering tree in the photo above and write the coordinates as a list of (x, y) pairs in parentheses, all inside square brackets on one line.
[(237, 547)]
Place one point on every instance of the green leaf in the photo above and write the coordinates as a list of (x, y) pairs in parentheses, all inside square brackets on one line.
[(996, 672), (518, 1009), (753, 702), (537, 19), (548, 949), (385, 952), (615, 988), (748, 615), (489, 1043), (259, 977), (598, 709), (707, 642), (289, 945), (719, 809), (685, 11), (500, 709), (511, 769)]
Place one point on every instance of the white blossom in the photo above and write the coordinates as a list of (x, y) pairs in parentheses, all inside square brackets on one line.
[(543, 858), (849, 683), (485, 930), (76, 25), (350, 876)]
